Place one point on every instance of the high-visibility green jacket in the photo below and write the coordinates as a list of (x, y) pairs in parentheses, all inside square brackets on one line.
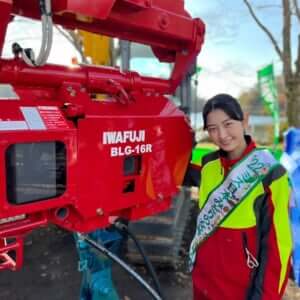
[(258, 229)]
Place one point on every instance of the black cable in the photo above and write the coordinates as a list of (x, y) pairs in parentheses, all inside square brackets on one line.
[(43, 7), (16, 49), (113, 257), (120, 226)]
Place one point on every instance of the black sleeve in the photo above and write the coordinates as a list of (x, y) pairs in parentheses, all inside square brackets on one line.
[(192, 176)]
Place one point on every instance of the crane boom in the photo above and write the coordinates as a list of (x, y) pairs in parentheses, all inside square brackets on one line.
[(164, 25)]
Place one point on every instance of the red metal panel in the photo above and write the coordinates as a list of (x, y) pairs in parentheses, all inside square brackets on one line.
[(95, 9), (104, 161), (96, 182), (136, 123), (9, 137), (164, 25)]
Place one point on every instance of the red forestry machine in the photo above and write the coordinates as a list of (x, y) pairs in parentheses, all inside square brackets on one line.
[(76, 162)]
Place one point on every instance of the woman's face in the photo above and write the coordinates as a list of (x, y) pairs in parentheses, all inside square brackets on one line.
[(226, 133)]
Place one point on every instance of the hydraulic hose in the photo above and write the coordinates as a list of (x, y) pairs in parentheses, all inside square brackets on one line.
[(116, 259), (47, 37), (120, 226)]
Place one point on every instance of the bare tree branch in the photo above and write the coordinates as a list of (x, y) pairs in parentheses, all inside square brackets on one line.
[(298, 58), (268, 6), (297, 9), (71, 36), (264, 28), (286, 35)]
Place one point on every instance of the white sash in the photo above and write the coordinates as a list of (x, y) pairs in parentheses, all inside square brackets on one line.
[(240, 181)]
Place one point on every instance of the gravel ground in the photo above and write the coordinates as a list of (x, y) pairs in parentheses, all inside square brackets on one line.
[(292, 291)]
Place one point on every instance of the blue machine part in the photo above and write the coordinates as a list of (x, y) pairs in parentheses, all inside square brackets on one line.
[(291, 160), (96, 270)]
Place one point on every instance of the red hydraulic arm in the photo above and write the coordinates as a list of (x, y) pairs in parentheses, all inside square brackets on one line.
[(163, 24), (138, 127)]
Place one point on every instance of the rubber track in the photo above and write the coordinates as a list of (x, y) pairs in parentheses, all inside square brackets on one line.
[(162, 235)]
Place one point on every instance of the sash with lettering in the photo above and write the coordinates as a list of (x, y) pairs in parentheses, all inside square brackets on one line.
[(222, 201)]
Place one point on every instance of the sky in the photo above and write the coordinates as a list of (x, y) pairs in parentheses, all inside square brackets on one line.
[(234, 49)]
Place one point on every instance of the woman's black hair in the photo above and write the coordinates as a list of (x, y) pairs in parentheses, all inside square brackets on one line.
[(223, 102)]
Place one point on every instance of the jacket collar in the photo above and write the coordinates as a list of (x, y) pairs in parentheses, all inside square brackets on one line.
[(228, 163)]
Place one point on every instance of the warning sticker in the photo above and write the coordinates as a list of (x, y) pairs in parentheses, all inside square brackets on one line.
[(52, 117)]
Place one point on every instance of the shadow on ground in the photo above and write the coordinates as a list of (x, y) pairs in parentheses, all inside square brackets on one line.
[(50, 273)]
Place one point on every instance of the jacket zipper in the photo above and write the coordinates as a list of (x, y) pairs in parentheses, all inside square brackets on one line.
[(252, 262)]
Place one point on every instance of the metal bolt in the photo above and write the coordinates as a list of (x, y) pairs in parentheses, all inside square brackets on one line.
[(73, 93), (99, 212), (185, 52)]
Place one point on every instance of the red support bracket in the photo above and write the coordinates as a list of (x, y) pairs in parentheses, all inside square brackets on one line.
[(11, 253), (164, 25), (12, 236)]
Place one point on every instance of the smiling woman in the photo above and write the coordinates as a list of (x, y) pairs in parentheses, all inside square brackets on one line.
[(242, 245), (225, 123)]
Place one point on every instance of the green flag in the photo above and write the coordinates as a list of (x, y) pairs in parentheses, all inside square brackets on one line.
[(268, 93), (198, 69)]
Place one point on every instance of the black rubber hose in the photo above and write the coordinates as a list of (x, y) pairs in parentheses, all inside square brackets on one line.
[(43, 7), (120, 226), (116, 259)]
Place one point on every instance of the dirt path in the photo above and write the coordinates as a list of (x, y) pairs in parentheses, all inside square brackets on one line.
[(50, 273)]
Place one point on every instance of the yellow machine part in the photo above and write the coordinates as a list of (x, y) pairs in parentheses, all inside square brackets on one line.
[(97, 47)]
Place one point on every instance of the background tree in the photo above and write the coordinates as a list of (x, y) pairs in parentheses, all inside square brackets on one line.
[(252, 104), (291, 67)]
